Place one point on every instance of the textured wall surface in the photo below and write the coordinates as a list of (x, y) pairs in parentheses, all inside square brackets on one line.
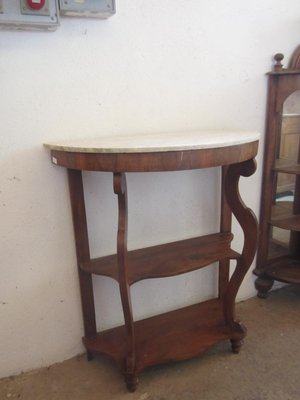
[(153, 67)]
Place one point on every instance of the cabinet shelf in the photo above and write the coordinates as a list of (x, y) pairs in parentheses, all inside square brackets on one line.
[(277, 250), (167, 259), (287, 166), (172, 336), (283, 217), (285, 270)]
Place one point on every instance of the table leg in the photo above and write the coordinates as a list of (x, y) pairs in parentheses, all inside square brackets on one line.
[(120, 188), (248, 223), (225, 226), (82, 252)]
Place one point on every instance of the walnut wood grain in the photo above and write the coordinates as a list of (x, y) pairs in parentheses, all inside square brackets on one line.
[(160, 161), (280, 158), (82, 251), (120, 188), (225, 226), (277, 250), (248, 223), (172, 336), (182, 333), (285, 270)]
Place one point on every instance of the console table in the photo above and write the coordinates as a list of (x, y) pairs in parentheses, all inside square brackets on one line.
[(189, 331)]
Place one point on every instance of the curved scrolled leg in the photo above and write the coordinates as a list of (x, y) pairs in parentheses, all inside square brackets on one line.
[(248, 223), (130, 361)]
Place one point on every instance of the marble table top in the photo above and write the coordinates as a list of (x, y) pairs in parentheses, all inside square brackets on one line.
[(177, 141)]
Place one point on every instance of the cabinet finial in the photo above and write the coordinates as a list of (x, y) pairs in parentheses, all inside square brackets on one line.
[(278, 64)]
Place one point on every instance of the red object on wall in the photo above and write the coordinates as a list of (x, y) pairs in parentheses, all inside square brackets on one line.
[(36, 4)]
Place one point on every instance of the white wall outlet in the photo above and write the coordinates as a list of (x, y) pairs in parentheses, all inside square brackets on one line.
[(87, 8), (29, 14)]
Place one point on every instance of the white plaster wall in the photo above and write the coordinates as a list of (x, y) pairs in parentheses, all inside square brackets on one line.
[(156, 66)]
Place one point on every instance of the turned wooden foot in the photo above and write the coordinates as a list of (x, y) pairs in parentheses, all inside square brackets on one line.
[(89, 356), (236, 345), (238, 334), (131, 382), (263, 285)]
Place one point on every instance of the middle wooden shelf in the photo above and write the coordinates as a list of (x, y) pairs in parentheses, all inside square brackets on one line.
[(168, 259)]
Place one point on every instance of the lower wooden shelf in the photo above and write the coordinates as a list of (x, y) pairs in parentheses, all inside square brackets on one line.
[(172, 336)]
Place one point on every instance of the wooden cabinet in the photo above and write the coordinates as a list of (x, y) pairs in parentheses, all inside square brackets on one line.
[(279, 245), (288, 152), (189, 331)]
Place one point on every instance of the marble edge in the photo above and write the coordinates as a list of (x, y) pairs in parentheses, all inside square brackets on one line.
[(250, 136)]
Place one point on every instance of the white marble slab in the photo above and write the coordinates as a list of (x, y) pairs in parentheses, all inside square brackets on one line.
[(156, 142)]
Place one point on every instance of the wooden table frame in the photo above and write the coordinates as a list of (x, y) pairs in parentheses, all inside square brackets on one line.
[(182, 333)]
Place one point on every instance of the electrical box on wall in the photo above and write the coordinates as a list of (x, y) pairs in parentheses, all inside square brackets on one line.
[(29, 14), (87, 8), (44, 14)]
